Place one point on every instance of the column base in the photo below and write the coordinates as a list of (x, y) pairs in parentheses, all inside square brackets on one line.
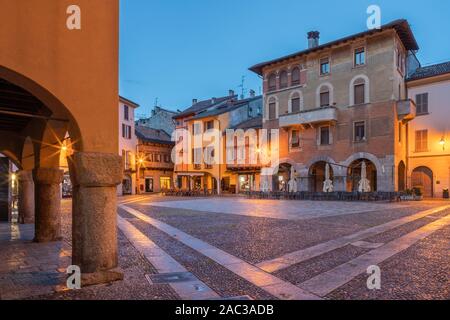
[(101, 277)]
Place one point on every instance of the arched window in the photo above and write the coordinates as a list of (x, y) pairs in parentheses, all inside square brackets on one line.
[(272, 114), (272, 82), (295, 76), (324, 97), (295, 102), (283, 79), (359, 90)]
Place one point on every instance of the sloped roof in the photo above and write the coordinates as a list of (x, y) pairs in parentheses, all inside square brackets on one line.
[(202, 105), (430, 71), (229, 106), (253, 123), (401, 26), (152, 135)]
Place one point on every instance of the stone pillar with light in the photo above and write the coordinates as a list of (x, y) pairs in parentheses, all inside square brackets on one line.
[(47, 194), (26, 197), (95, 177)]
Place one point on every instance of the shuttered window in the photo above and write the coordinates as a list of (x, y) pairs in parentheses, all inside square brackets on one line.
[(272, 82), (324, 99), (421, 140), (360, 57), (295, 77), (283, 80), (324, 138), (324, 66), (272, 111), (360, 93), (295, 104), (422, 103)]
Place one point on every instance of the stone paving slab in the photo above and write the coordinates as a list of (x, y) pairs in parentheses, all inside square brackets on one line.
[(243, 269), (322, 248), (276, 209), (165, 264), (329, 281)]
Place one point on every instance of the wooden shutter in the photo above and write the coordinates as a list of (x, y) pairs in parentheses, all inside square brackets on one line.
[(303, 76), (325, 99), (359, 93), (295, 102)]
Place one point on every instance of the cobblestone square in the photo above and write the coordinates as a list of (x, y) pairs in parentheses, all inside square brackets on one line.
[(260, 254)]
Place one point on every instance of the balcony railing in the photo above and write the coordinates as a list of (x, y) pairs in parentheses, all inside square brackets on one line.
[(328, 114), (406, 110)]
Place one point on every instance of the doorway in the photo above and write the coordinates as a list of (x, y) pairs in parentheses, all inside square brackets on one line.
[(148, 185)]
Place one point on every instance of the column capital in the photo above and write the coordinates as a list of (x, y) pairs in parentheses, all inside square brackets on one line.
[(48, 176), (90, 169), (25, 176)]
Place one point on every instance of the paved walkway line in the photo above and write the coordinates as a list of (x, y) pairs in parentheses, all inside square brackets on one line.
[(267, 282), (296, 257), (133, 200), (166, 264), (329, 281)]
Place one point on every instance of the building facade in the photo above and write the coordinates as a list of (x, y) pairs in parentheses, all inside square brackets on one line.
[(429, 144), (127, 146), (343, 103), (154, 161), (160, 119), (199, 120)]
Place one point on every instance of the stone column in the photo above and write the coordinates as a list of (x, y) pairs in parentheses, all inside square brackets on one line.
[(95, 177), (47, 204), (26, 197)]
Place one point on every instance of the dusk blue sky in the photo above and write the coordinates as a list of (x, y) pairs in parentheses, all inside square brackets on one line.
[(177, 50)]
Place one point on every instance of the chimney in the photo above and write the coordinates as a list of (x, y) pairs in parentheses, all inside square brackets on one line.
[(313, 39), (252, 93), (231, 93), (194, 101)]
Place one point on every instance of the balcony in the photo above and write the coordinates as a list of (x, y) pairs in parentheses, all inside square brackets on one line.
[(310, 117), (406, 110)]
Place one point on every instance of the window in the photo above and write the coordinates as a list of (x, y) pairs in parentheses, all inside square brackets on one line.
[(360, 131), (421, 140), (324, 66), (422, 103), (295, 139), (272, 111), (126, 131), (272, 82), (126, 112), (295, 103), (157, 158), (360, 56), (209, 125), (295, 77), (359, 92), (324, 139), (196, 128), (166, 158), (283, 79), (325, 98), (197, 158)]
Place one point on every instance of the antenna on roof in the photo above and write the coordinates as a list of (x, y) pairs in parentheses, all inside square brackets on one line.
[(242, 86), (156, 102)]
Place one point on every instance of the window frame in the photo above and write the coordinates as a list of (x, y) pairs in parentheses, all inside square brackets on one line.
[(358, 85), (320, 98), (355, 55), (364, 125), (324, 74), (329, 136), (295, 82), (423, 147), (274, 87), (291, 143), (424, 94)]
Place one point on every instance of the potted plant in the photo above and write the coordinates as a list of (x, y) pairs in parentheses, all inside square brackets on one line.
[(446, 194), (408, 195), (418, 194)]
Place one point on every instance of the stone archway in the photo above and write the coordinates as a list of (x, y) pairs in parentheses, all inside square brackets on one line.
[(354, 175), (38, 115), (422, 179), (317, 176)]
